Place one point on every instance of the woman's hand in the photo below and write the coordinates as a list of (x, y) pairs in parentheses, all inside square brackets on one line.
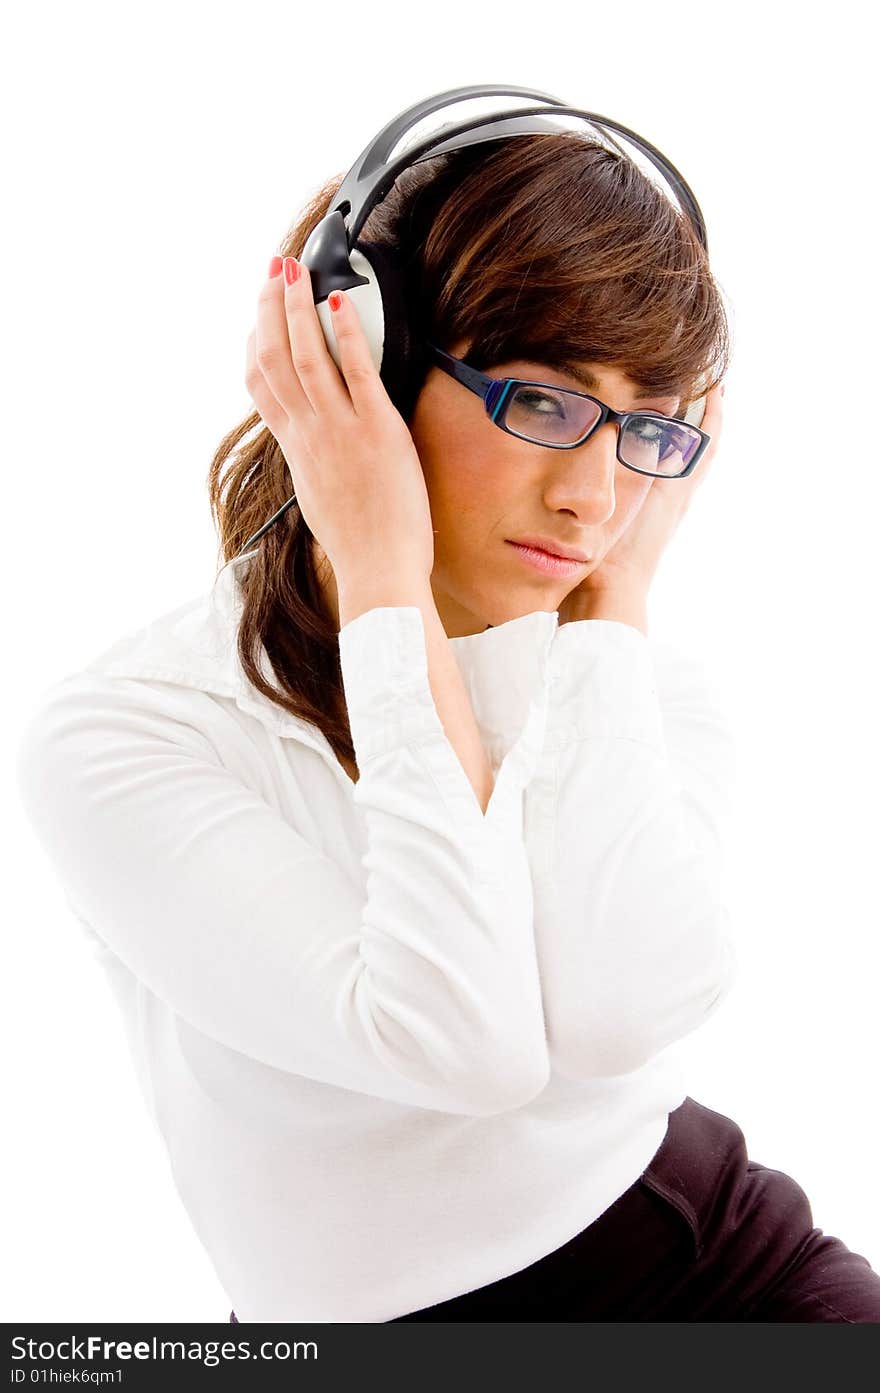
[(629, 566), (354, 466)]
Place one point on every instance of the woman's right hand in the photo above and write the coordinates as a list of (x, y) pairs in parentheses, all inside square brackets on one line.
[(354, 466)]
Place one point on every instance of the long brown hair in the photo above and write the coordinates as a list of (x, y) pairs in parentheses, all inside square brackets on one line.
[(547, 247)]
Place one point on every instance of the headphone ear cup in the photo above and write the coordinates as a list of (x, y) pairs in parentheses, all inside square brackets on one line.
[(400, 354)]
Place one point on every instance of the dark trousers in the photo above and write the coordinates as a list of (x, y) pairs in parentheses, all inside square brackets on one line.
[(704, 1234)]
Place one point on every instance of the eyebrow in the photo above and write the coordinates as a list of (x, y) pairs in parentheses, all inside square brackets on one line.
[(587, 380)]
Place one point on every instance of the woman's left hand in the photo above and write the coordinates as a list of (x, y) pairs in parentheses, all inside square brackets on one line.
[(629, 566)]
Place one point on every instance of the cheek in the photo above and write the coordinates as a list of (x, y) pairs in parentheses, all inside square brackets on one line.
[(467, 476), (468, 494)]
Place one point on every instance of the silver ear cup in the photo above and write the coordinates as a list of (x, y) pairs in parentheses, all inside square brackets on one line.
[(695, 412), (367, 300)]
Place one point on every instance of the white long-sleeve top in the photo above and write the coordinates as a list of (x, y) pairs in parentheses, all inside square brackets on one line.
[(397, 1049)]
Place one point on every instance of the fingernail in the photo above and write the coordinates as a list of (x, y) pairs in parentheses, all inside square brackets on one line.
[(275, 266), (291, 269), (335, 300)]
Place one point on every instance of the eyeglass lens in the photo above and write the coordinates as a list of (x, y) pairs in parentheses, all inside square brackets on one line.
[(649, 443)]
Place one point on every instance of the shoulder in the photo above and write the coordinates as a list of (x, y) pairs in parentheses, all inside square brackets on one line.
[(88, 716)]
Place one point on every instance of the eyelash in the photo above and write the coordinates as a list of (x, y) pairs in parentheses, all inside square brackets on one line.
[(659, 410)]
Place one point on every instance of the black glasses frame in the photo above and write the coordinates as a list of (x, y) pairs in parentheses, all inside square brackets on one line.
[(496, 394)]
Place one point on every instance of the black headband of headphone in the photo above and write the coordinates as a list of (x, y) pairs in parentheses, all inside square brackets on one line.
[(337, 260)]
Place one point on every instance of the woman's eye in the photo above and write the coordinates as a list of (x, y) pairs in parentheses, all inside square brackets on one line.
[(650, 432), (541, 403)]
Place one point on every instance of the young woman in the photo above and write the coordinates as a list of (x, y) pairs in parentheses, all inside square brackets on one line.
[(402, 847)]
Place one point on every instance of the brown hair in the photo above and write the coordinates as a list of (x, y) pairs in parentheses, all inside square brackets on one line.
[(547, 247)]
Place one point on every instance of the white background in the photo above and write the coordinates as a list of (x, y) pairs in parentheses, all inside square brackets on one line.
[(154, 157)]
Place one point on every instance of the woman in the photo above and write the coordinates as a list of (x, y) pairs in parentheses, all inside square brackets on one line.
[(404, 875)]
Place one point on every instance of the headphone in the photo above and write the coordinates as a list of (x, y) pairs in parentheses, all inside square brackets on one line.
[(337, 260)]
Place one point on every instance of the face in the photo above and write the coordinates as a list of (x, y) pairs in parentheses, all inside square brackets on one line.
[(486, 487)]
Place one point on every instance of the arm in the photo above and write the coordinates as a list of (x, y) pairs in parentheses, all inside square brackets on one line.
[(423, 989), (447, 687), (625, 810)]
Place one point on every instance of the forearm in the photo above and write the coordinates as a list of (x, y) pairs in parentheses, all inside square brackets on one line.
[(629, 921), (630, 928), (447, 685)]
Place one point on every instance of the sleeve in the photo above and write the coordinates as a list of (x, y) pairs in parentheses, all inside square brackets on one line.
[(624, 821), (422, 989)]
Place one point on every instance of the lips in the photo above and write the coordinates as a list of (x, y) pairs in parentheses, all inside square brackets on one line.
[(552, 547)]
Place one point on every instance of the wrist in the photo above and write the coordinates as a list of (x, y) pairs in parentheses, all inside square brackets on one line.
[(357, 594), (622, 606)]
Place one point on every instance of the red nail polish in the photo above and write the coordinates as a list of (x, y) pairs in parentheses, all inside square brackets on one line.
[(335, 300), (275, 266), (291, 269)]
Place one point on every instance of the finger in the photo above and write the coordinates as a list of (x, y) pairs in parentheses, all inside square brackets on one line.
[(711, 424), (271, 411), (273, 353), (714, 408), (365, 386), (315, 369)]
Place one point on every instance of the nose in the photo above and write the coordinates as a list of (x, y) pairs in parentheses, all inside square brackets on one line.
[(582, 480)]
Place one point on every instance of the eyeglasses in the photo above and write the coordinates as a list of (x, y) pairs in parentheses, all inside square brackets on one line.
[(561, 418)]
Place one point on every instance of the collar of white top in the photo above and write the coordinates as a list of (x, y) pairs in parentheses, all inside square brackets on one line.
[(195, 646)]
